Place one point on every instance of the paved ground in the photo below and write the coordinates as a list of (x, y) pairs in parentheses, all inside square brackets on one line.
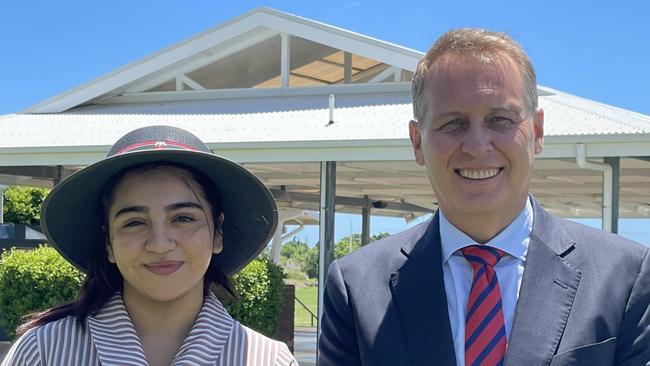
[(4, 347), (304, 341)]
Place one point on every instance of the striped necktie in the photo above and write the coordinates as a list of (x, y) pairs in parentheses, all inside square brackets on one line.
[(485, 332)]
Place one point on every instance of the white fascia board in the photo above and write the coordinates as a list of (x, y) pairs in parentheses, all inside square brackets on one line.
[(144, 67), (597, 146), (344, 40), (185, 95), (326, 150)]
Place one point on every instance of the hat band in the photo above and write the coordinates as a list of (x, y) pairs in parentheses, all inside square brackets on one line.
[(156, 145)]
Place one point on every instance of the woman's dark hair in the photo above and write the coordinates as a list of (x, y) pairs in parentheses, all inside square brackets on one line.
[(104, 279)]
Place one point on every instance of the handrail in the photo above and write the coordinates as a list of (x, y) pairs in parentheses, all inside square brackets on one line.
[(313, 316)]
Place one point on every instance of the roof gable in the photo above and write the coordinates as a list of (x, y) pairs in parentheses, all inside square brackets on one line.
[(263, 48)]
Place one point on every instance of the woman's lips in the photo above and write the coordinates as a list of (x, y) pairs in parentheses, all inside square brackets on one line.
[(164, 267)]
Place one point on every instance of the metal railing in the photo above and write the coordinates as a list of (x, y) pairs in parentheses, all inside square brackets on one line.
[(313, 316)]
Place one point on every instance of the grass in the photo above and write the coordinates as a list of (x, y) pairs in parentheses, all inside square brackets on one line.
[(309, 297)]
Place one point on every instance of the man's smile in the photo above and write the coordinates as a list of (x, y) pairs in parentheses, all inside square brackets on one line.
[(478, 174)]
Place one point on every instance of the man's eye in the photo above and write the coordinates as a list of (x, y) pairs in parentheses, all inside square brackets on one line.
[(500, 120), (452, 125)]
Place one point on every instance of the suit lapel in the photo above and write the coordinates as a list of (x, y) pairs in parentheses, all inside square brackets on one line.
[(546, 295), (419, 295)]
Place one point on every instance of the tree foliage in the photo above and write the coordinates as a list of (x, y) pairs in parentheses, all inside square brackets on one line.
[(22, 205), (344, 246)]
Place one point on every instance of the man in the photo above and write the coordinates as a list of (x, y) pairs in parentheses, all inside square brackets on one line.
[(492, 278)]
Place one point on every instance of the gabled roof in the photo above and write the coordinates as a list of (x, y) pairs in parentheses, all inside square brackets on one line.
[(261, 26)]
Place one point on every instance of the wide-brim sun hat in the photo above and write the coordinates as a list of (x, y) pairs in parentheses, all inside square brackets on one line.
[(72, 215)]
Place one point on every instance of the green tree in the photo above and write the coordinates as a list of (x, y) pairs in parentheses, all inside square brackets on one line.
[(341, 248), (22, 205), (310, 266), (294, 250)]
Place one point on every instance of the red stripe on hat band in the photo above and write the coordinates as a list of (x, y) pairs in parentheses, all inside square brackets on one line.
[(156, 144)]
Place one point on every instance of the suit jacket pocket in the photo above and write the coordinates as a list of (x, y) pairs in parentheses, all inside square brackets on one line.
[(596, 354)]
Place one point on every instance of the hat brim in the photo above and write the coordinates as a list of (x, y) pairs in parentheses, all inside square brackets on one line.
[(72, 214)]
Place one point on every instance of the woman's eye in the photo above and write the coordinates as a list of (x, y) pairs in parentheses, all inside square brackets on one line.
[(133, 223), (183, 218)]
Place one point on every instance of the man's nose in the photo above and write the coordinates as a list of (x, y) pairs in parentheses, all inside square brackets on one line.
[(477, 140), (160, 240)]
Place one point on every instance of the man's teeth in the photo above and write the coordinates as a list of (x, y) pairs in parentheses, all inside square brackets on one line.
[(478, 173)]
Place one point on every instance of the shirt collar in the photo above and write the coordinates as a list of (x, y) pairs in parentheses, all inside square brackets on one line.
[(513, 239), (113, 334)]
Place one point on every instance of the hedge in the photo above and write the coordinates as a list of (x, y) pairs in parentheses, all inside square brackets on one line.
[(34, 280), (259, 286)]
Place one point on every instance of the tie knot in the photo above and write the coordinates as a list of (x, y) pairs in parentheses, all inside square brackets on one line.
[(482, 254)]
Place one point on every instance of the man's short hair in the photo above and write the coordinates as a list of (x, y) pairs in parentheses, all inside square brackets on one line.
[(480, 45)]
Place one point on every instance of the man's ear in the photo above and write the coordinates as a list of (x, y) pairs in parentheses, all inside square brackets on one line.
[(416, 141), (217, 247), (538, 128)]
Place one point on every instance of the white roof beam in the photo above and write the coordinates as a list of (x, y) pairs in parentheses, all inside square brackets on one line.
[(382, 76), (191, 83), (170, 96), (343, 40), (204, 59)]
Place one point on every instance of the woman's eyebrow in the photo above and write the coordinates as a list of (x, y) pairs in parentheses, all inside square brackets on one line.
[(179, 205), (130, 209)]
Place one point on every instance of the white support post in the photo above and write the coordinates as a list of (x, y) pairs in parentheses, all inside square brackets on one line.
[(608, 179), (179, 83), (276, 245), (285, 59)]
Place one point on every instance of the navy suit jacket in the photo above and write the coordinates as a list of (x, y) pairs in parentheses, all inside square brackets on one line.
[(584, 300)]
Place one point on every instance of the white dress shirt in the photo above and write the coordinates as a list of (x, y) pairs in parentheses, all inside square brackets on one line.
[(513, 240)]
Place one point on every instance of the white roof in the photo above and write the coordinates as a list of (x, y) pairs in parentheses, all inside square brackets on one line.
[(295, 122)]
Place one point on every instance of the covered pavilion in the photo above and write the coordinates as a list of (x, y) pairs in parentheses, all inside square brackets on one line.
[(305, 105)]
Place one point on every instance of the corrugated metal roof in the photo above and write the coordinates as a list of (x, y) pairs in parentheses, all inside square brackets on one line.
[(305, 118)]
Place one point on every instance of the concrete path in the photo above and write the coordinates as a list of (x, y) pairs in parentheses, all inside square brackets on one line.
[(4, 348), (304, 341)]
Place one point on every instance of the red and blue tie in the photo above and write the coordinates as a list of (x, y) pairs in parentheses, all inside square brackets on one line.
[(485, 332)]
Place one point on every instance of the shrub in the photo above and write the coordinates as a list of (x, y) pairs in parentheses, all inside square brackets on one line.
[(259, 305), (22, 205), (34, 280)]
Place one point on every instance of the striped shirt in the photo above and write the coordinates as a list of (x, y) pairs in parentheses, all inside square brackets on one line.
[(110, 339)]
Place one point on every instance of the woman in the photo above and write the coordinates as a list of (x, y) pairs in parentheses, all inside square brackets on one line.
[(154, 225)]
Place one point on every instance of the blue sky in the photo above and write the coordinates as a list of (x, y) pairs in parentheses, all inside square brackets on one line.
[(595, 49)]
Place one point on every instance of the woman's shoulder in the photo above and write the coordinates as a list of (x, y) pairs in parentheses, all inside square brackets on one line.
[(24, 351), (29, 348), (276, 351)]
